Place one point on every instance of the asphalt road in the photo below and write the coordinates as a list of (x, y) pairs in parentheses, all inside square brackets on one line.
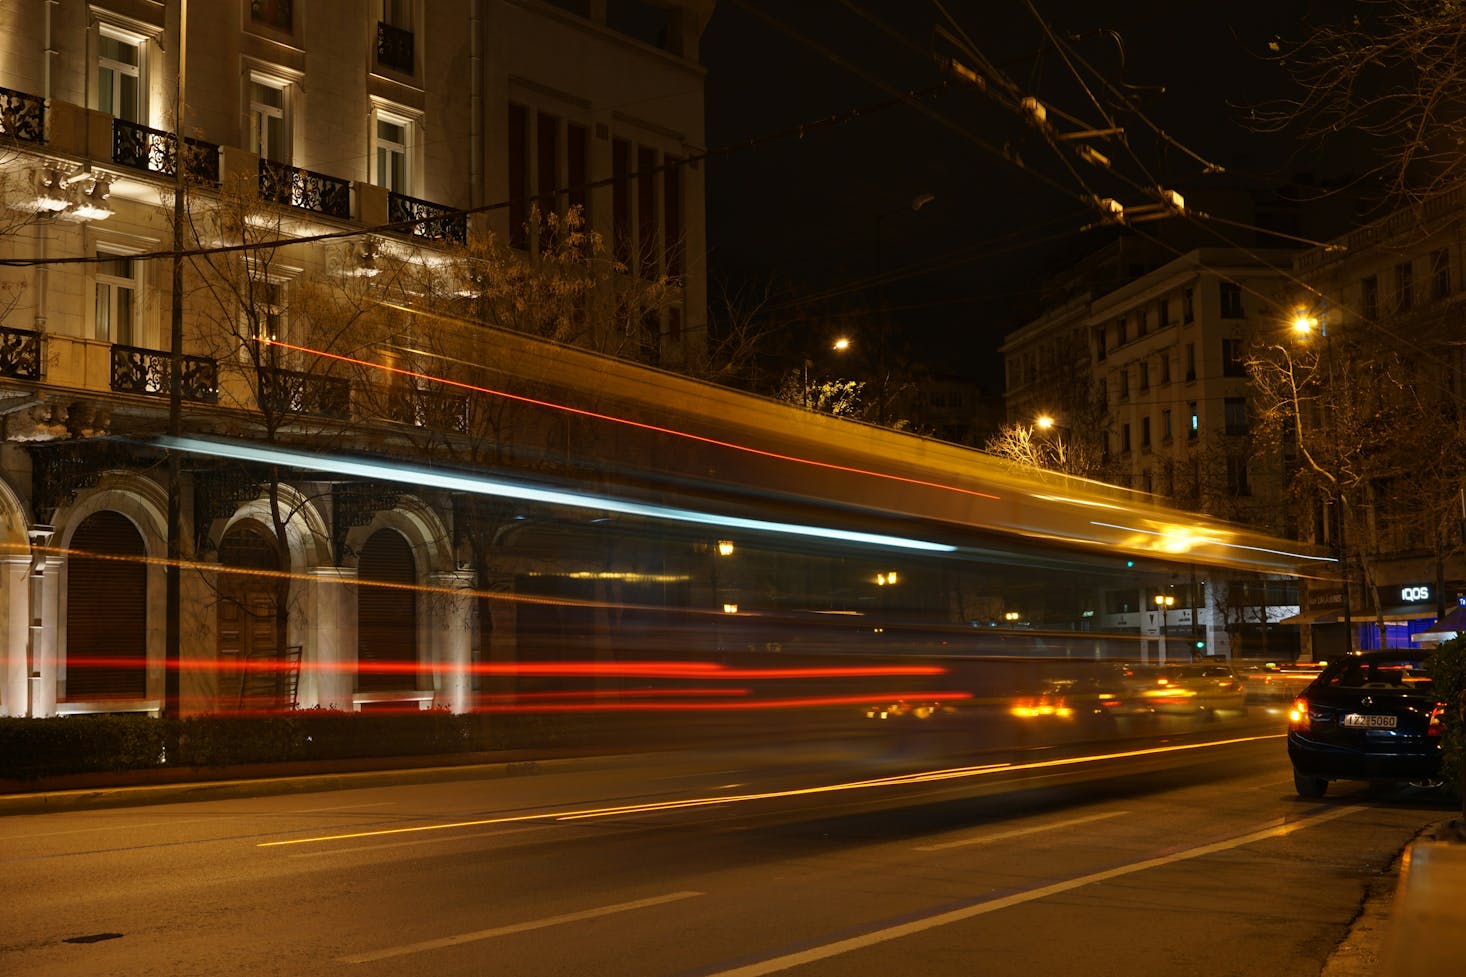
[(815, 860)]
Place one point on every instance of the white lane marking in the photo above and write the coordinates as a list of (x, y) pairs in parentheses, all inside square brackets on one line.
[(1019, 832), (533, 924), (125, 825), (802, 957), (341, 807), (417, 842)]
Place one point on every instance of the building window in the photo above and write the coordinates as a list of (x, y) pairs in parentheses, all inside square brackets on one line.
[(577, 167), (1234, 362), (1125, 438), (1235, 415), (269, 117), (621, 241), (1144, 375), (646, 212), (518, 146), (1166, 426), (1142, 322), (265, 308), (1162, 313), (672, 230), (1440, 274), (117, 289), (1104, 392), (1237, 483), (1145, 433), (395, 40), (1404, 287), (272, 13), (1193, 426), (1188, 305), (1369, 297), (1099, 343), (547, 163), (120, 73), (1121, 326), (1166, 367), (1190, 361), (1231, 296), (1124, 375), (392, 146)]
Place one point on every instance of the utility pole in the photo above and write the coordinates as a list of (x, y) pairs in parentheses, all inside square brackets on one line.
[(173, 630)]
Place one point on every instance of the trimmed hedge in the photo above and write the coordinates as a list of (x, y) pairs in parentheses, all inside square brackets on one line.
[(33, 748)]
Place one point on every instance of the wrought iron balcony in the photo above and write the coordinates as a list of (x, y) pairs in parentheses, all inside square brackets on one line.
[(22, 116), (432, 221), (294, 392), (295, 187), (394, 47), (145, 371), (20, 354), (156, 151), (428, 408)]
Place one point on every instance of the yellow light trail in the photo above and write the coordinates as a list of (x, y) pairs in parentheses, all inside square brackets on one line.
[(954, 773)]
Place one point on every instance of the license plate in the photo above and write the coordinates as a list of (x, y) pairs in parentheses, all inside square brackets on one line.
[(1369, 722)]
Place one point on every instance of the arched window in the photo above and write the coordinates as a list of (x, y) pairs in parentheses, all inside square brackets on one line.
[(386, 650), (106, 611)]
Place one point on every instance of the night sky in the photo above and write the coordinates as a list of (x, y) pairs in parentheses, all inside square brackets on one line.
[(815, 214)]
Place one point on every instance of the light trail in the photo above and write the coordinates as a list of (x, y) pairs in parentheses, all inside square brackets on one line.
[(934, 776), (613, 419), (497, 488)]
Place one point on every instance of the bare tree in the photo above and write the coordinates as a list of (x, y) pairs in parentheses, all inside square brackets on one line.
[(1392, 72)]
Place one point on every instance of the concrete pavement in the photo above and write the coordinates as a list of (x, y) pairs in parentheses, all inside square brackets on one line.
[(1412, 919)]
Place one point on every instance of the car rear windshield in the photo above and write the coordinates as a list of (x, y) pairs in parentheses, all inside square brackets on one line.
[(1391, 673)]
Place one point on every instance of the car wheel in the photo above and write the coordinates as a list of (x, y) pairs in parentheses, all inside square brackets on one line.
[(1307, 786)]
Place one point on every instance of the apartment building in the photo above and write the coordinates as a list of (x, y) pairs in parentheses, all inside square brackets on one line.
[(359, 132), (1383, 304)]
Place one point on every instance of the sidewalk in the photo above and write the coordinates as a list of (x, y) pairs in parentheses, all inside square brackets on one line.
[(1413, 918)]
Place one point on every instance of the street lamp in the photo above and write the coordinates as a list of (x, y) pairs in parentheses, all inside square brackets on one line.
[(1305, 324), (840, 345), (1164, 603)]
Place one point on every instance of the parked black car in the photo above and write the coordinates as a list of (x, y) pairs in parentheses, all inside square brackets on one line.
[(1368, 716)]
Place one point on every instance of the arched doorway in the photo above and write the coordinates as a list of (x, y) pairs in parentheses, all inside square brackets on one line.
[(252, 673), (106, 611), (386, 650)]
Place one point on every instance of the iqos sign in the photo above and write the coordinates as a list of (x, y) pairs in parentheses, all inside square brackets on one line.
[(1418, 594)]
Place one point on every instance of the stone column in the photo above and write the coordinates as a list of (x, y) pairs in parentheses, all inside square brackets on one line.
[(450, 639), (16, 610), (328, 640)]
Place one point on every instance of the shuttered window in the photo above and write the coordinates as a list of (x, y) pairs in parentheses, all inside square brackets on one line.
[(386, 650), (106, 611)]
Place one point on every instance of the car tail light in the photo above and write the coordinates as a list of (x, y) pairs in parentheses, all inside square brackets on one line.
[(1298, 715), (1437, 720)]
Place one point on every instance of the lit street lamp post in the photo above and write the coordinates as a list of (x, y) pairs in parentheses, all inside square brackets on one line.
[(839, 346), (1164, 603), (1304, 325)]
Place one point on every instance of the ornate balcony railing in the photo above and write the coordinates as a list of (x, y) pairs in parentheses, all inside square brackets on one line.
[(295, 187), (394, 47), (428, 408), (294, 392), (157, 152), (20, 354), (432, 221), (145, 371), (22, 116)]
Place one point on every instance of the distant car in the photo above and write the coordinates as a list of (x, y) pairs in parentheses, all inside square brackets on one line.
[(1077, 697), (1189, 689), (1369, 716)]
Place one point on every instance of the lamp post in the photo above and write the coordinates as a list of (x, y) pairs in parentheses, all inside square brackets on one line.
[(1304, 326), (1164, 603)]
